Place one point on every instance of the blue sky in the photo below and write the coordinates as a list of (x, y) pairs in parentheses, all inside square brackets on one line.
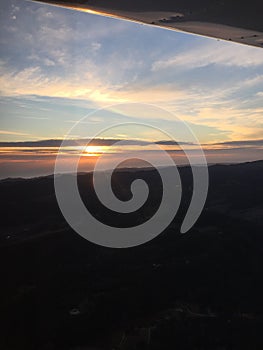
[(58, 65)]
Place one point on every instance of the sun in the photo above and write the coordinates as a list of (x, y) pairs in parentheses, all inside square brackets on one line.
[(93, 150)]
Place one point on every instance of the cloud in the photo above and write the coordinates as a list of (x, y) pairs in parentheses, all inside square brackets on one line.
[(85, 83), (9, 132), (95, 46), (94, 142), (73, 142), (243, 143), (214, 53), (34, 118)]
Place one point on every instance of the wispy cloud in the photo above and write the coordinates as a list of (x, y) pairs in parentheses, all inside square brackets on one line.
[(34, 118), (214, 53), (9, 132)]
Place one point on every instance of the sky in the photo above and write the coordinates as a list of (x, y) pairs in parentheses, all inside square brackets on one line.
[(59, 66)]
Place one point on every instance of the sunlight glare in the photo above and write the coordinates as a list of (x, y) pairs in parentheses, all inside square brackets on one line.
[(93, 151)]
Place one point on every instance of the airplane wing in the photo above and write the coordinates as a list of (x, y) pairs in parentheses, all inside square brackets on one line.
[(233, 20)]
